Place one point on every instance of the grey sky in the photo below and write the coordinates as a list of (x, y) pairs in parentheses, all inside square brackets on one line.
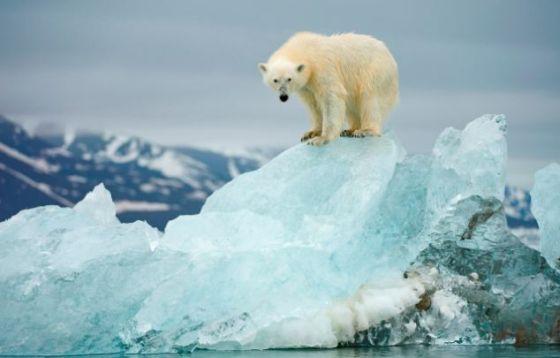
[(184, 72)]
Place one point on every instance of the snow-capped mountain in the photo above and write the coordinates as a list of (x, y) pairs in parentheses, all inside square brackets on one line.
[(148, 181), (517, 205)]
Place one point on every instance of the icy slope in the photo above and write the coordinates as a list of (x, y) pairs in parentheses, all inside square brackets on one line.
[(351, 243)]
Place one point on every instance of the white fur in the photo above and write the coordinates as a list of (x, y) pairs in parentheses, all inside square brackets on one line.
[(340, 76)]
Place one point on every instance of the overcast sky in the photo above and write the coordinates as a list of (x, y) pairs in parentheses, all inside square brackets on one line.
[(185, 72)]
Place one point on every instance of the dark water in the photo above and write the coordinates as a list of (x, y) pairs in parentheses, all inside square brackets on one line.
[(389, 352)]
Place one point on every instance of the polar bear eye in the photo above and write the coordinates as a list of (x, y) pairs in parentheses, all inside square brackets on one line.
[(289, 79), (275, 80)]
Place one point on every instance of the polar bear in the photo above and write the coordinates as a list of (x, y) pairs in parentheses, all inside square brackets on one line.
[(340, 76)]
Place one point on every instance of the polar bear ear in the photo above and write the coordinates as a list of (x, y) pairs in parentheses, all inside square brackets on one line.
[(300, 67), (262, 67)]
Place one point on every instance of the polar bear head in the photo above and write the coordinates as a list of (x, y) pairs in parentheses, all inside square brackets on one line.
[(284, 76)]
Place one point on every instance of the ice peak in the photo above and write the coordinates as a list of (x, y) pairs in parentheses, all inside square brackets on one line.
[(98, 205), (476, 155)]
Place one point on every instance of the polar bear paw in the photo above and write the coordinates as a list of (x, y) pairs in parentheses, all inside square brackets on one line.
[(361, 133), (310, 134), (318, 141), (347, 133)]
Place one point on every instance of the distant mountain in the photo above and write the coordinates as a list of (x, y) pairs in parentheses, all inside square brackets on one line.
[(148, 181), (517, 205)]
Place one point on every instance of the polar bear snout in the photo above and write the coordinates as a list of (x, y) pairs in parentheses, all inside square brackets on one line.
[(284, 97)]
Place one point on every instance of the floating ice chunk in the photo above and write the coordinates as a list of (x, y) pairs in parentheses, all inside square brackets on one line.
[(70, 276), (545, 205), (351, 243)]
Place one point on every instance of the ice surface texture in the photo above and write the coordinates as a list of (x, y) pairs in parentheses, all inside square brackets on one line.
[(350, 243), (546, 208)]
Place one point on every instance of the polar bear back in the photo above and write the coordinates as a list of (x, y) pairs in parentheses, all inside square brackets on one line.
[(360, 63)]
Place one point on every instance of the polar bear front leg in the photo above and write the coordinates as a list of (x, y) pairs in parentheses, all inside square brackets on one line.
[(316, 117), (334, 109)]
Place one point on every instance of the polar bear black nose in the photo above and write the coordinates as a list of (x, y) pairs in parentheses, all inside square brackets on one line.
[(284, 97)]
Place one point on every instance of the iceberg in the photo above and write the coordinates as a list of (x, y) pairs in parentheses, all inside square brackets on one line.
[(353, 243)]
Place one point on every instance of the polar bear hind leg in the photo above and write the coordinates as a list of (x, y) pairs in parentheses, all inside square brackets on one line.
[(370, 117), (353, 122)]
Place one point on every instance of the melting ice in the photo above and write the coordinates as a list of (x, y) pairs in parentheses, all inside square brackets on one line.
[(353, 243)]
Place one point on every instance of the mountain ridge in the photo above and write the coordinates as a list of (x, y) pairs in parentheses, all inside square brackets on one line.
[(149, 181)]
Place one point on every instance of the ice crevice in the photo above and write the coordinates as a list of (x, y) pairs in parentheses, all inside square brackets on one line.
[(353, 243)]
